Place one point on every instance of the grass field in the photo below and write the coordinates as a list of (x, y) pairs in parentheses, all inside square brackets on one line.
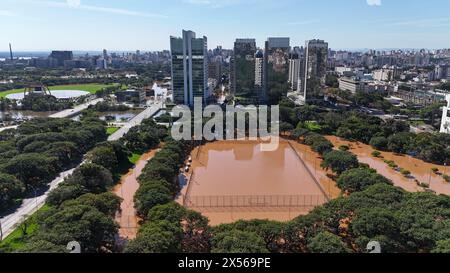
[(91, 88), (16, 240), (112, 130), (134, 158)]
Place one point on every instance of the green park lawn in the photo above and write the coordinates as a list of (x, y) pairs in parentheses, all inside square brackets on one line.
[(111, 130), (91, 88), (134, 158), (16, 239)]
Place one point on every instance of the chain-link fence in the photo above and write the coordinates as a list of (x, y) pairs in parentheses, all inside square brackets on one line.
[(255, 201)]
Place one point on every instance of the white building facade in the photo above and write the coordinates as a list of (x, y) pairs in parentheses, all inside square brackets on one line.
[(445, 124)]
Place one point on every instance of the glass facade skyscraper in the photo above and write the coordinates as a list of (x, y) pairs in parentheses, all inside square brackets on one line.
[(316, 57), (243, 72), (189, 68), (276, 69)]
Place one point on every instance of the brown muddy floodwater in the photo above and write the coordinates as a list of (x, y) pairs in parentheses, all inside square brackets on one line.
[(126, 217), (233, 180), (419, 169)]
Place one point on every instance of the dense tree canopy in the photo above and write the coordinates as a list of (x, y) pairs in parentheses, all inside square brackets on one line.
[(10, 189), (236, 241), (359, 179), (327, 242), (92, 177), (40, 148), (339, 161)]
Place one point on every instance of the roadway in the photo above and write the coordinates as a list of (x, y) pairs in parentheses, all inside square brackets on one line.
[(30, 205), (8, 127), (147, 113), (76, 110)]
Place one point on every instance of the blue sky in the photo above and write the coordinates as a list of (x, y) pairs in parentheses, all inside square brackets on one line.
[(147, 24)]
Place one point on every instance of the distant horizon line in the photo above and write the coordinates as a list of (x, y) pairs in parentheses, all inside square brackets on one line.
[(159, 50)]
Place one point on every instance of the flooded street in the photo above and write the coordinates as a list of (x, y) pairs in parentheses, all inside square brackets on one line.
[(115, 116), (232, 180), (126, 217), (24, 115), (419, 169)]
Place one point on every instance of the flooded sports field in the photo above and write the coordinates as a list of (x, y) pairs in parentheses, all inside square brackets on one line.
[(420, 170), (233, 180)]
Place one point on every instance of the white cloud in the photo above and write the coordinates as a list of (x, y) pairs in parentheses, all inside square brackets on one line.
[(77, 4), (374, 2)]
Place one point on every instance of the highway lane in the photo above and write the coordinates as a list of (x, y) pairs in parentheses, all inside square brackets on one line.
[(76, 110), (147, 113)]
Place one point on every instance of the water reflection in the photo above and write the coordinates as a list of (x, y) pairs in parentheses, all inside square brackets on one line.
[(116, 117), (18, 115), (234, 170)]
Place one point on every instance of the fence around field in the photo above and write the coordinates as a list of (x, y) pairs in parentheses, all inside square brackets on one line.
[(255, 201)]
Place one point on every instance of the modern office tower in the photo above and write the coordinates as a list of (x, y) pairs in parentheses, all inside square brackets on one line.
[(101, 64), (189, 68), (276, 69), (316, 57), (242, 75), (61, 56), (294, 70), (215, 68)]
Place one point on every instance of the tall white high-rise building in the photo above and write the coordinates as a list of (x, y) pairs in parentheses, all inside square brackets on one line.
[(259, 61), (294, 71), (189, 68), (445, 124)]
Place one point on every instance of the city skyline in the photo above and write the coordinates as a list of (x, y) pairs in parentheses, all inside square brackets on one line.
[(89, 25)]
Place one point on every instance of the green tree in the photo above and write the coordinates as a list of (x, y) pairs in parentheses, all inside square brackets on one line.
[(339, 161), (107, 203), (327, 242), (92, 177), (32, 169), (156, 237), (65, 192), (355, 180), (42, 246), (442, 246), (400, 143), (379, 143), (85, 224), (104, 156), (10, 189), (236, 241), (149, 195)]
